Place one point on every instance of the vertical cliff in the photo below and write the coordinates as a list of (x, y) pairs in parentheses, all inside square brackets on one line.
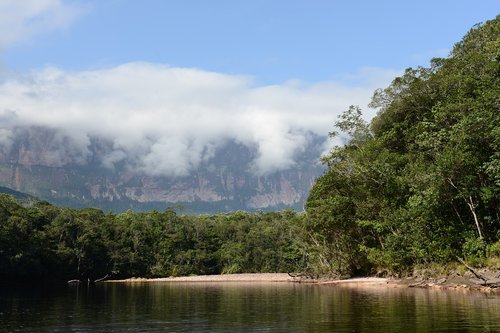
[(37, 164)]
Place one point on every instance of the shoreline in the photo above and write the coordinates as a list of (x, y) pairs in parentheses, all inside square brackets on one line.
[(258, 277), (243, 277), (463, 284)]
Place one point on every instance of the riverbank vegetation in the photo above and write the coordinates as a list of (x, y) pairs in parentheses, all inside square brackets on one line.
[(420, 184), (47, 242), (417, 186)]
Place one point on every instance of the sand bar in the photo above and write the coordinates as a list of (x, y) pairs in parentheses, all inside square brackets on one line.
[(260, 277), (449, 284), (247, 277)]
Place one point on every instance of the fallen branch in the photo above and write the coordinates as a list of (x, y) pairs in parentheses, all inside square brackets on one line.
[(477, 274), (417, 284), (102, 279), (303, 275), (492, 284)]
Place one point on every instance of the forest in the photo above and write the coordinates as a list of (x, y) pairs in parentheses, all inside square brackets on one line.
[(47, 242), (419, 185)]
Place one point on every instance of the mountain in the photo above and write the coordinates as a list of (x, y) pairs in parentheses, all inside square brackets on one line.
[(38, 162)]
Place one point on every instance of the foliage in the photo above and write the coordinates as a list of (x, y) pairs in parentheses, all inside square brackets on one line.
[(48, 242), (420, 183)]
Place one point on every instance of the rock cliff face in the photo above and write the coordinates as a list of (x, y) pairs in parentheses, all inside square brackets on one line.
[(42, 164)]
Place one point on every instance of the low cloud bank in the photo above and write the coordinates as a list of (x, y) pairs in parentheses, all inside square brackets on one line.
[(165, 121)]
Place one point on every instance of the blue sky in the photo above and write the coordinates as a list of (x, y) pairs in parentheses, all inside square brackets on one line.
[(270, 40), (166, 83)]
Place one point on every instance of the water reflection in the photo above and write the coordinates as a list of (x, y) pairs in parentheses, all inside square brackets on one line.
[(243, 307)]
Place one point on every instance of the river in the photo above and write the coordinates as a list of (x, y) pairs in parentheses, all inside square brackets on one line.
[(243, 307)]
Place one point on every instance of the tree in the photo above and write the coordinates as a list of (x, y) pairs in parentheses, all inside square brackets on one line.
[(421, 183)]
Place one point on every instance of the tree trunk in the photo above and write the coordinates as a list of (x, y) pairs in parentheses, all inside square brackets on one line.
[(472, 208)]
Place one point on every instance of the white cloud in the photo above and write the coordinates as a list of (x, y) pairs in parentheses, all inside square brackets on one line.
[(165, 121), (23, 19)]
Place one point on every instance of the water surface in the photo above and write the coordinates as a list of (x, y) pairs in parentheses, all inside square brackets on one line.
[(243, 307)]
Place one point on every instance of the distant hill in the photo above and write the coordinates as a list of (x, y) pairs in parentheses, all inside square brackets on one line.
[(16, 194)]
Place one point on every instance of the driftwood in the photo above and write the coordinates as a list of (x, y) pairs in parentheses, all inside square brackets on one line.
[(418, 284), (304, 275), (477, 274), (486, 282), (77, 281), (102, 279)]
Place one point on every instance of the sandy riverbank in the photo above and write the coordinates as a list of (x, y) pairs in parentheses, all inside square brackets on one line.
[(461, 283), (260, 277), (249, 277)]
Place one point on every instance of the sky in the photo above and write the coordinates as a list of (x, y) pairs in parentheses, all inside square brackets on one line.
[(165, 83)]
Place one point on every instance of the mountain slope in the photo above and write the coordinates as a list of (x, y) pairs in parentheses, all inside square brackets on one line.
[(37, 164), (16, 194)]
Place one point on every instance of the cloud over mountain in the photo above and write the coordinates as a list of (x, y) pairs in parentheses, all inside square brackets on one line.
[(165, 121)]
